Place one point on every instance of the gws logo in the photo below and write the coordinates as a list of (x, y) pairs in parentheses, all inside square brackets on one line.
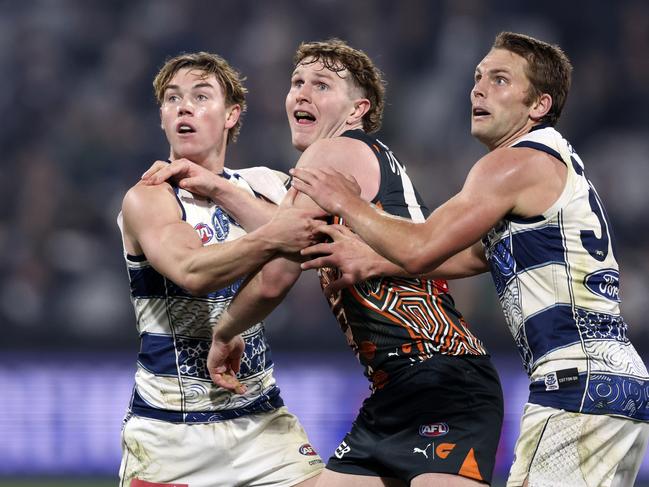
[(605, 283), (307, 450), (433, 430), (342, 449), (204, 232), (443, 449)]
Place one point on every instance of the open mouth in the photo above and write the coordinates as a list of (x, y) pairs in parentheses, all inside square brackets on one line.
[(302, 117), (184, 128), (479, 112)]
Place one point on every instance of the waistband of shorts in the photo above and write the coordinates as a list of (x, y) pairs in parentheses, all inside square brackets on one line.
[(599, 393), (267, 402)]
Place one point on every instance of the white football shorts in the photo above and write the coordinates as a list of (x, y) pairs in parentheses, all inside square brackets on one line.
[(269, 449), (560, 448)]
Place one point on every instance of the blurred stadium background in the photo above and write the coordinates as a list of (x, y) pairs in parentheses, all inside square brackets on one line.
[(81, 125)]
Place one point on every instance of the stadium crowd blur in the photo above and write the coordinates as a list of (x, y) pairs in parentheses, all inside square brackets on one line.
[(81, 124)]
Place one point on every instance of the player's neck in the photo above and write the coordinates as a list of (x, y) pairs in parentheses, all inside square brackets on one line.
[(509, 139), (211, 161)]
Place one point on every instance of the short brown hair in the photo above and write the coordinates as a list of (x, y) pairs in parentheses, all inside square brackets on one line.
[(548, 69), (337, 55), (229, 78)]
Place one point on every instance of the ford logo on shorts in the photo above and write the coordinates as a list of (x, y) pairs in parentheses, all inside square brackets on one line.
[(434, 429), (307, 450), (605, 283)]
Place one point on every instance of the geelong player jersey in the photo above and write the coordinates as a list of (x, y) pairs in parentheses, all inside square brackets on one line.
[(175, 328), (392, 323), (558, 282)]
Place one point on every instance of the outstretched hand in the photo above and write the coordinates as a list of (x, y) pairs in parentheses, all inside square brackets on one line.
[(187, 174), (347, 252), (332, 190), (224, 362)]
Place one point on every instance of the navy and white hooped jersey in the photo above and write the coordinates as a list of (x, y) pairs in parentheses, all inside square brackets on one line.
[(558, 282), (175, 328)]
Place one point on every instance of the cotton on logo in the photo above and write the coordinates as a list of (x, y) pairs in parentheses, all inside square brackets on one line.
[(204, 232), (432, 430)]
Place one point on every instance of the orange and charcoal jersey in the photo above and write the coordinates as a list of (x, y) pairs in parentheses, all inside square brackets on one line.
[(394, 322)]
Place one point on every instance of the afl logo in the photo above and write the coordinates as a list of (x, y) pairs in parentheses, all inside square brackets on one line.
[(605, 283), (307, 450), (204, 232), (221, 224), (433, 430)]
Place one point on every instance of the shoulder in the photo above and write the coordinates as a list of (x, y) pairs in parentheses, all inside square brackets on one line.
[(144, 199), (526, 180), (519, 165), (348, 156), (336, 152)]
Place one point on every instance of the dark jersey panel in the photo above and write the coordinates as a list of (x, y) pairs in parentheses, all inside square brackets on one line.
[(392, 193), (392, 323)]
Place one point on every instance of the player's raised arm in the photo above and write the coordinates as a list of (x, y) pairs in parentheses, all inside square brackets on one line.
[(152, 219), (490, 192), (249, 211)]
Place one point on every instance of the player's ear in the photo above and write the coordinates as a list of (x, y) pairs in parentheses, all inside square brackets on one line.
[(232, 114), (540, 107), (361, 107)]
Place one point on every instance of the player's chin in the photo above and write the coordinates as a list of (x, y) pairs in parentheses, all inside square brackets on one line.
[(301, 141), (479, 132)]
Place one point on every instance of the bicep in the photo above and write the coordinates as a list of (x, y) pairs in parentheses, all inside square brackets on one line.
[(169, 244), (349, 157), (153, 220), (469, 215)]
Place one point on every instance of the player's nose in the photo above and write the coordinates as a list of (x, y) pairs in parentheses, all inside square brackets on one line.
[(185, 106)]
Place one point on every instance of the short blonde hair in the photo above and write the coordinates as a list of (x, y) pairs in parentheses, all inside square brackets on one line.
[(229, 78)]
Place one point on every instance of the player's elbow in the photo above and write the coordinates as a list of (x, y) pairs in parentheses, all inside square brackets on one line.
[(274, 285), (416, 261), (196, 284), (414, 266), (274, 289)]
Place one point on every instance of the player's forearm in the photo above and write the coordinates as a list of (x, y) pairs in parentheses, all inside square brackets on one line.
[(235, 321), (462, 264), (250, 212), (398, 240), (252, 304), (214, 267)]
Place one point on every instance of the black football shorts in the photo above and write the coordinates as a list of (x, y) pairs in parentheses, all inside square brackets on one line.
[(442, 415)]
